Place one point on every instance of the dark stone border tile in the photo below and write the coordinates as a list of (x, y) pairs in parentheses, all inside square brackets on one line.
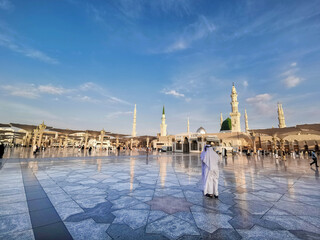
[(39, 204), (53, 231), (46, 222)]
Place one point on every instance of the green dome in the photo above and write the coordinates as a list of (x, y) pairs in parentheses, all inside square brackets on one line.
[(226, 125)]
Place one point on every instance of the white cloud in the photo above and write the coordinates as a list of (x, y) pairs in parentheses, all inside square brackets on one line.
[(174, 93), (245, 83), (89, 86), (262, 104), (176, 46), (193, 32), (51, 89), (137, 8), (117, 100), (25, 91), (13, 45), (292, 81), (6, 5), (33, 91), (259, 98)]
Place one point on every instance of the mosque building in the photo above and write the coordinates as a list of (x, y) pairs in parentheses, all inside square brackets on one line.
[(298, 138)]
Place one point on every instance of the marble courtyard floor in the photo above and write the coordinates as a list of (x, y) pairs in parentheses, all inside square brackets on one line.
[(157, 197)]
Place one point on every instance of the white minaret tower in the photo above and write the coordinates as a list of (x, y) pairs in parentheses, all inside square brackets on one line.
[(235, 115), (163, 125), (134, 125), (188, 127), (246, 120), (221, 120), (282, 122)]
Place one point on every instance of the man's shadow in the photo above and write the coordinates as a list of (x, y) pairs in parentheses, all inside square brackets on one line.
[(316, 172)]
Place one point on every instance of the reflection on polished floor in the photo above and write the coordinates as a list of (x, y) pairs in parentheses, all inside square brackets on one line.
[(157, 197)]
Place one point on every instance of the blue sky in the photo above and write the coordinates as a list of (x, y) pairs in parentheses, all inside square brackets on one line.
[(83, 64)]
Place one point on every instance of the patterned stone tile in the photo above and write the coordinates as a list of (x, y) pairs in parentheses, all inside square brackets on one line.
[(293, 223), (222, 234), (172, 227), (24, 235), (305, 235), (66, 209), (123, 232), (210, 222), (15, 223), (155, 215), (133, 218), (13, 208), (100, 214), (260, 233), (90, 201), (124, 202), (169, 204), (88, 229)]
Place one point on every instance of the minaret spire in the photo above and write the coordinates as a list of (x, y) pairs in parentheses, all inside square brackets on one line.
[(188, 127), (282, 122), (246, 120), (134, 133), (163, 125), (221, 120), (235, 115)]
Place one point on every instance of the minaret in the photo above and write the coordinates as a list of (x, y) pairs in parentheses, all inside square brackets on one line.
[(134, 133), (282, 122), (221, 120), (188, 127), (235, 115), (163, 125), (246, 120)]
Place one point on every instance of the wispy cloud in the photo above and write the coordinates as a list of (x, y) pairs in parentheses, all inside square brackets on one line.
[(174, 93), (52, 89), (79, 94), (193, 32), (138, 8), (6, 5), (245, 83), (290, 76), (262, 104), (25, 90), (83, 98), (31, 90), (90, 86), (11, 43)]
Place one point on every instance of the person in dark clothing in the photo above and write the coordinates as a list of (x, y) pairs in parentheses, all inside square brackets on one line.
[(118, 148), (314, 158), (1, 150)]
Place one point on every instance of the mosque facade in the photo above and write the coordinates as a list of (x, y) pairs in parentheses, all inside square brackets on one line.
[(231, 137)]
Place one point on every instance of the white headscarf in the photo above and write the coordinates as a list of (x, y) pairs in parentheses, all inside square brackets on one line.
[(210, 158)]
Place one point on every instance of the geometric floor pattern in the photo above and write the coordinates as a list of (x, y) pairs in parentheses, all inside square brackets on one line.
[(160, 197)]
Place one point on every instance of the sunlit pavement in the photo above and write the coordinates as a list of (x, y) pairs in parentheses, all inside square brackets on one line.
[(157, 197)]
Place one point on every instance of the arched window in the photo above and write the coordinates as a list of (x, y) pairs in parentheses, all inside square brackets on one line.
[(194, 145)]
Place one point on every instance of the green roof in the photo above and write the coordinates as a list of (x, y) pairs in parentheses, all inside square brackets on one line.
[(163, 110), (226, 125)]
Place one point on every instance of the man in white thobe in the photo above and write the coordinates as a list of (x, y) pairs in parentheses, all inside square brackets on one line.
[(210, 171)]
